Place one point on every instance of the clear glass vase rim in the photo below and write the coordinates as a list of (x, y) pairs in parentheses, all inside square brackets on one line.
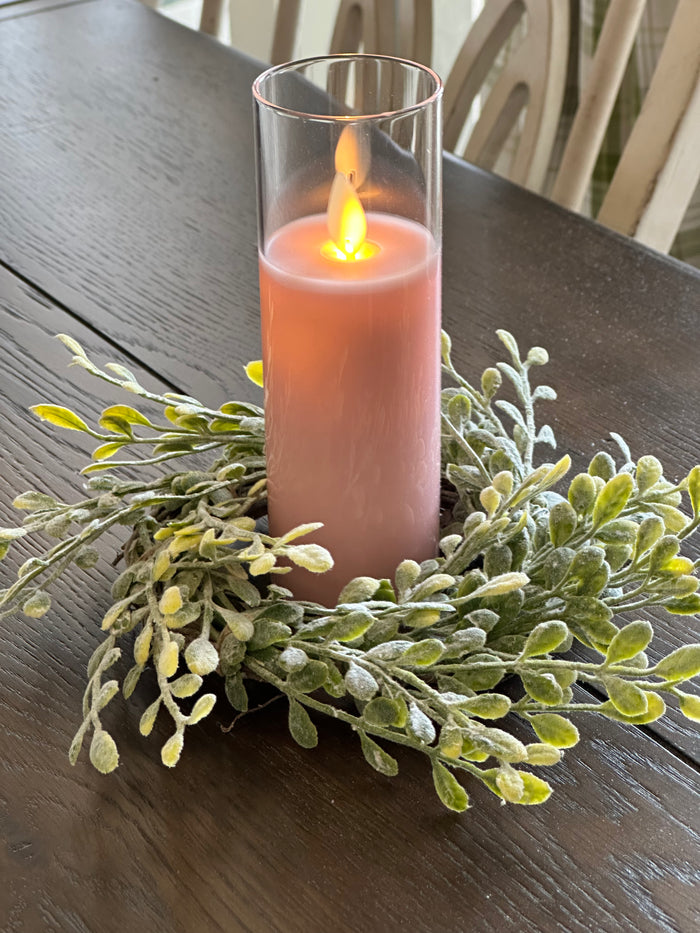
[(347, 118)]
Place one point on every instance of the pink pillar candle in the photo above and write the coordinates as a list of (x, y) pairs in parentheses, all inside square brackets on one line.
[(351, 354)]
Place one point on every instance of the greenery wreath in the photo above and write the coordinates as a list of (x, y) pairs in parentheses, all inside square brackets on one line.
[(481, 634)]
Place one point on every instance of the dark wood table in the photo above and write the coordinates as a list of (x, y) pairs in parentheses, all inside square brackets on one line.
[(127, 219)]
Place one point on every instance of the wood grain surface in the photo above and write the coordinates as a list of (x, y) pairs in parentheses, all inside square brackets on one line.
[(126, 197)]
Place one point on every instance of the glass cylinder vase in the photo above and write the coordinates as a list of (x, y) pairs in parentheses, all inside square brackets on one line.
[(349, 208)]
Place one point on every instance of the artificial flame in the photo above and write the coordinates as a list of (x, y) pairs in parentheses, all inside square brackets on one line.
[(346, 220), (345, 216), (352, 155)]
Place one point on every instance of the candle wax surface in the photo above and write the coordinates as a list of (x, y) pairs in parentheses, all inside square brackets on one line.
[(351, 354)]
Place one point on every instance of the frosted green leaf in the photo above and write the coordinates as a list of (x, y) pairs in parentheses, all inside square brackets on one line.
[(171, 751), (186, 686), (148, 717), (375, 756), (419, 725), (381, 711), (239, 623), (11, 534), (649, 472), (359, 590), (535, 790), (125, 413), (448, 788), (311, 557), (694, 489), (37, 605), (612, 499), (681, 664), (582, 493), (236, 693), (168, 659), (201, 657), (690, 706), (103, 752), (302, 729), (360, 683), (262, 565), (107, 692), (544, 638), (32, 501), (627, 698), (254, 371), (602, 465), (352, 625), (312, 676), (541, 754), (487, 706), (423, 653), (655, 708), (293, 659), (562, 523), (202, 708), (170, 601), (543, 688), (650, 530), (510, 784), (555, 730), (629, 641), (61, 417)]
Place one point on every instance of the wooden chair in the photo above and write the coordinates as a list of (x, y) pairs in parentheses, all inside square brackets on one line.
[(531, 81), (403, 28), (660, 165)]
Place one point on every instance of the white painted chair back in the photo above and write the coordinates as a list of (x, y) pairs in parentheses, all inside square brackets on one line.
[(659, 169), (531, 82)]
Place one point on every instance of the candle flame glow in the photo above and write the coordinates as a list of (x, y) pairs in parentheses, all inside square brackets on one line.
[(345, 216), (352, 156)]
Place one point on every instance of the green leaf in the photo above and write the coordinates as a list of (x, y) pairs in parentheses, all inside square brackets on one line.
[(681, 664), (448, 788), (487, 706), (359, 590), (311, 557), (32, 501), (268, 632), (655, 709), (312, 676), (125, 413), (555, 730), (103, 752), (77, 743), (61, 417), (419, 725), (686, 606), (690, 706), (629, 641), (254, 371), (627, 698), (562, 523), (376, 756), (381, 711), (302, 730), (582, 493), (649, 472), (360, 683), (423, 653), (694, 489), (37, 605), (612, 499), (544, 638), (535, 790), (236, 693), (543, 688)]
